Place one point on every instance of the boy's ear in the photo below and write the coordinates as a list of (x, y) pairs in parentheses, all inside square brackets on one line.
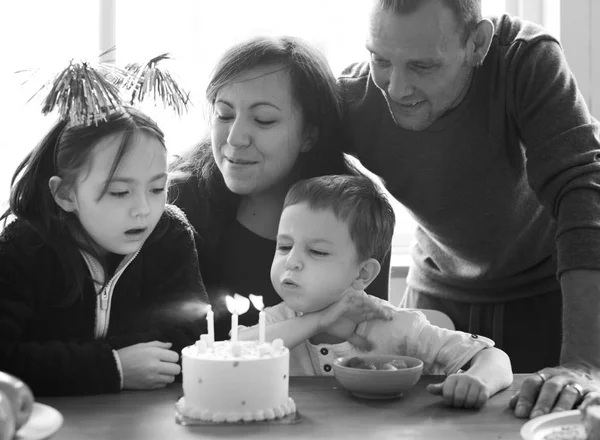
[(61, 195), (368, 271), (310, 139)]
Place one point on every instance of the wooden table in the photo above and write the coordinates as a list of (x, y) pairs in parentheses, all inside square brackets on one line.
[(326, 410)]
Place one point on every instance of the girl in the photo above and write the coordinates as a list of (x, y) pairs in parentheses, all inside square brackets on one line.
[(100, 287)]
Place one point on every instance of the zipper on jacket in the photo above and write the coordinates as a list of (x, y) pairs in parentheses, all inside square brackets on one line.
[(104, 298)]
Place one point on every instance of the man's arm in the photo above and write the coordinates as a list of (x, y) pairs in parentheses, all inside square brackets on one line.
[(581, 320), (580, 356)]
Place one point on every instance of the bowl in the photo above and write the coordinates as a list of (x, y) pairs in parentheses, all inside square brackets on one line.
[(378, 384)]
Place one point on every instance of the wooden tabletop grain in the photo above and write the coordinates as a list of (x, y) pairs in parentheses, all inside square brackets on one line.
[(326, 411)]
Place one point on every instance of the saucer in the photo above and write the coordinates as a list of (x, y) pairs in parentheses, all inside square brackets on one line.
[(565, 425), (42, 424)]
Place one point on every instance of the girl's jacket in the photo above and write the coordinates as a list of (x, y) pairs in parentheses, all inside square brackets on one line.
[(156, 294)]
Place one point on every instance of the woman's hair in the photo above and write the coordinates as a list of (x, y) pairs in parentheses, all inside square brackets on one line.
[(315, 93), (66, 152)]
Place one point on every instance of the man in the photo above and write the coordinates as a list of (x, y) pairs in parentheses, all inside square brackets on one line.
[(478, 128)]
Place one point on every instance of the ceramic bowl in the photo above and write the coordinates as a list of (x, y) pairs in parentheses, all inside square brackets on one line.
[(378, 384)]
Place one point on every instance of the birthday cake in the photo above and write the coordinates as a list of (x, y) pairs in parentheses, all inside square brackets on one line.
[(235, 382)]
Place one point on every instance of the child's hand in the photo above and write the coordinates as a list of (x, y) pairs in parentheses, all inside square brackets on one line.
[(341, 318), (462, 390), (148, 365)]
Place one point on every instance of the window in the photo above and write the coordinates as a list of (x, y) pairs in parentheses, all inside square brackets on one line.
[(196, 33)]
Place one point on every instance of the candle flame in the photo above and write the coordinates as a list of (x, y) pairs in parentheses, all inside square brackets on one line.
[(257, 302), (237, 304)]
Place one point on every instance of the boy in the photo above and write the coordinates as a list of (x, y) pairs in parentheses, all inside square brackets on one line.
[(333, 232)]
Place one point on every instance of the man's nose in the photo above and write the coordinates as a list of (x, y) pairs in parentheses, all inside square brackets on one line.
[(400, 85)]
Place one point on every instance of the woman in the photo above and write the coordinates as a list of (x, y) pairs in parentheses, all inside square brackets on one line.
[(275, 119)]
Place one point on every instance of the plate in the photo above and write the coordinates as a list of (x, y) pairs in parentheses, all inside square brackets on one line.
[(565, 425), (44, 422)]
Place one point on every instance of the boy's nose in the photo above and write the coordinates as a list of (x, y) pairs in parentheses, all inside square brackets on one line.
[(293, 263)]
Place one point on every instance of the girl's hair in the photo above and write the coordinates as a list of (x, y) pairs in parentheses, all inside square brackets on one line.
[(66, 152), (315, 93)]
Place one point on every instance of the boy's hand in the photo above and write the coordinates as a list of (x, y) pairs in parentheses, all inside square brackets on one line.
[(341, 318), (462, 390), (148, 365)]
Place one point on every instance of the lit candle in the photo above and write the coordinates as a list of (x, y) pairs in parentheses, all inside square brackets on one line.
[(210, 319), (237, 305), (257, 302)]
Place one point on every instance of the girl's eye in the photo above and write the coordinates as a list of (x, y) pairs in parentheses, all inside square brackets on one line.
[(158, 190), (264, 123), (119, 194), (319, 253)]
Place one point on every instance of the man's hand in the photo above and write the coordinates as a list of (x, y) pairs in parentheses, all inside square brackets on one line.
[(552, 390), (461, 390), (341, 318), (148, 365)]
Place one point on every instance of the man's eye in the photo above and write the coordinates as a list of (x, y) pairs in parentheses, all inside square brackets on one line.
[(379, 61), (424, 67)]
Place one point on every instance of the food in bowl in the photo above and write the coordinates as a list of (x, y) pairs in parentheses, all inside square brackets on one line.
[(377, 376), (365, 364)]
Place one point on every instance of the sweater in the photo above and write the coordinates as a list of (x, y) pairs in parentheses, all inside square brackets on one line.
[(408, 333), (156, 294), (503, 187)]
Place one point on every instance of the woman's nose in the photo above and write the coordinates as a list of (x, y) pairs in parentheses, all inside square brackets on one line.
[(239, 134)]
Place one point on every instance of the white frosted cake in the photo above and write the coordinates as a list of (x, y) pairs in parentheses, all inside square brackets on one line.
[(245, 382)]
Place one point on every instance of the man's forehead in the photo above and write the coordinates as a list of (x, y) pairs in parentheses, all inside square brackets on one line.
[(430, 31)]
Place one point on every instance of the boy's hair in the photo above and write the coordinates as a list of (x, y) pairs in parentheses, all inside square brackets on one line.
[(66, 152), (355, 200)]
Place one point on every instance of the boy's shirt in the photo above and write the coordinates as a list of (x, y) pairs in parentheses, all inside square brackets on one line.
[(409, 333)]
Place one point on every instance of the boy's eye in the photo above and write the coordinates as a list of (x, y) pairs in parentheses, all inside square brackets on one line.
[(284, 247), (319, 253), (118, 194)]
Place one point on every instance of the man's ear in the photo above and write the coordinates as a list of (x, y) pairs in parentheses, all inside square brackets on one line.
[(62, 195), (310, 139), (369, 269), (479, 42)]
